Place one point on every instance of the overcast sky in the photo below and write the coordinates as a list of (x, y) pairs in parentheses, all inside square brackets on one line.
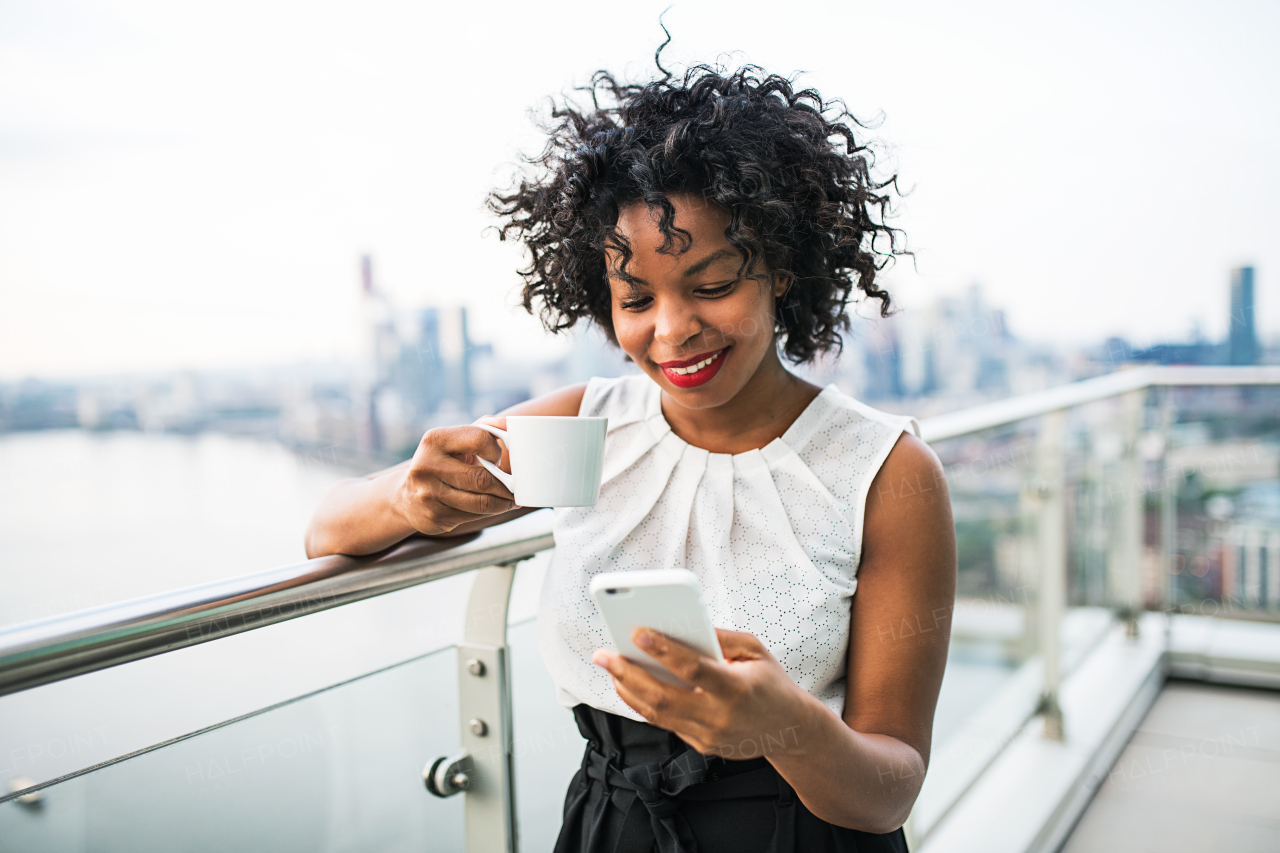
[(191, 185)]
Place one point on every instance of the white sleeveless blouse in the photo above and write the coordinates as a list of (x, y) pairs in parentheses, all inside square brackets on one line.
[(774, 534)]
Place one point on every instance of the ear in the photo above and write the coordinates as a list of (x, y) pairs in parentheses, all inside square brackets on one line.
[(782, 282)]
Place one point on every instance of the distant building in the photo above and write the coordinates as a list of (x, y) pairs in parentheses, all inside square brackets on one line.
[(33, 404), (1199, 352), (1240, 347), (882, 351), (420, 375), (1242, 339), (380, 346), (958, 348)]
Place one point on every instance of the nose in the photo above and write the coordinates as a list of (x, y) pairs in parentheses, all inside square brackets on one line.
[(676, 322)]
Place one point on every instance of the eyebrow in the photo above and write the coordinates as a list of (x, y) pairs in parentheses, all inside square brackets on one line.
[(710, 259), (700, 266)]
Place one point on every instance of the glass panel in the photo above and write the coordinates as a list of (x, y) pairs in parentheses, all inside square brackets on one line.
[(1222, 461), (993, 626), (68, 726), (547, 748), (335, 771), (1110, 485), (1202, 467)]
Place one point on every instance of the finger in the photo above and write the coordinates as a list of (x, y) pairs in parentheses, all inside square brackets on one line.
[(690, 664), (638, 679), (504, 461), (662, 704), (655, 710), (448, 455), (473, 503), (464, 441), (468, 478), (740, 645), (635, 703), (688, 729)]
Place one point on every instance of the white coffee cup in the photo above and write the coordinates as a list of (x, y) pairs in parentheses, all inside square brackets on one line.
[(555, 461)]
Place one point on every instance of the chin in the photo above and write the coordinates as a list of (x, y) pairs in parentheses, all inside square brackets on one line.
[(698, 398)]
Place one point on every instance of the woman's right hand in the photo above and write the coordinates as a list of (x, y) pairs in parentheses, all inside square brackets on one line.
[(444, 485), (441, 491)]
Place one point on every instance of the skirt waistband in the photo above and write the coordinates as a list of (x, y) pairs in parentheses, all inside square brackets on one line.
[(630, 743), (649, 792)]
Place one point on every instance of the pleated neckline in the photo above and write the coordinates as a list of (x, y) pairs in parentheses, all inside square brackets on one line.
[(792, 439)]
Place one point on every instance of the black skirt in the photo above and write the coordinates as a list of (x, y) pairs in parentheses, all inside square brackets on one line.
[(641, 789)]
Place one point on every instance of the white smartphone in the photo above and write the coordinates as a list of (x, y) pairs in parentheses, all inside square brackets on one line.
[(666, 600)]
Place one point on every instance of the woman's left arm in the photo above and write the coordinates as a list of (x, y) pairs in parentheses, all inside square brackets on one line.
[(864, 771), (901, 626)]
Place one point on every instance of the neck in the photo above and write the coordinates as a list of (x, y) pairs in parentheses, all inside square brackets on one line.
[(762, 411)]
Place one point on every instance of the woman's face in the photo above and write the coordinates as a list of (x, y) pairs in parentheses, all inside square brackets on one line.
[(687, 318)]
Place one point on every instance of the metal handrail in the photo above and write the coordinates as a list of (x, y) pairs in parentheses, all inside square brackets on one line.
[(36, 653), (1004, 412)]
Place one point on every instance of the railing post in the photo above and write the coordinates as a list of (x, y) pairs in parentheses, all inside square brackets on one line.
[(1250, 593), (484, 706), (1126, 550), (1051, 536), (1171, 484), (1273, 571)]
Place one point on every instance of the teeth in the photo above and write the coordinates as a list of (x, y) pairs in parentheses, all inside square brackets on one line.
[(694, 368)]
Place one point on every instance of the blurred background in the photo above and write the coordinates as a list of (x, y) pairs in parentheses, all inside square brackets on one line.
[(251, 218), (244, 253), (249, 232)]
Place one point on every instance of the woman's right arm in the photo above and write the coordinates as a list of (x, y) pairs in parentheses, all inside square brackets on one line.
[(441, 491)]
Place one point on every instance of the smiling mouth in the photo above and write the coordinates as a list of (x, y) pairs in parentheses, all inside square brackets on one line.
[(694, 368), (687, 374)]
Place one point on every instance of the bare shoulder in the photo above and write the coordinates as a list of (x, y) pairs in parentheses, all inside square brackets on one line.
[(908, 501), (565, 402), (911, 453)]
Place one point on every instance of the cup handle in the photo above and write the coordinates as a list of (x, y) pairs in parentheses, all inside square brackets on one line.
[(506, 479)]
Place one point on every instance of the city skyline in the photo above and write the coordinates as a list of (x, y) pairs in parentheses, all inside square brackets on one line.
[(422, 368)]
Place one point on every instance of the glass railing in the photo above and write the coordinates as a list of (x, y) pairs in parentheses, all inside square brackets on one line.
[(1149, 489), (1062, 521), (338, 770)]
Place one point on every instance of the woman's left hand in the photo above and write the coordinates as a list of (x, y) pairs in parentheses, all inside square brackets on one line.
[(743, 708)]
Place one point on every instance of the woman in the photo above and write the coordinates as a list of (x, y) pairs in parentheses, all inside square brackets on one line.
[(712, 225)]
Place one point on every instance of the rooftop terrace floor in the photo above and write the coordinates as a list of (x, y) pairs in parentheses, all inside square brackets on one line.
[(1202, 772)]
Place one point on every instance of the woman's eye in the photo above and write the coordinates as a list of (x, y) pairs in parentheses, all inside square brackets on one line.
[(634, 304), (715, 289)]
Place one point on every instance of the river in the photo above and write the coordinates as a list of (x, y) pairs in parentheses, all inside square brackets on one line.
[(91, 518)]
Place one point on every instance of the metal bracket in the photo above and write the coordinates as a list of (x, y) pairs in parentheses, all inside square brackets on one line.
[(450, 775), (485, 728)]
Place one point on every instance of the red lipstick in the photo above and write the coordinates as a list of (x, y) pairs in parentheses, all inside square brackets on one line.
[(692, 372)]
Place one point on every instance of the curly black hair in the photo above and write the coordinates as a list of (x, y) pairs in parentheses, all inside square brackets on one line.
[(785, 164)]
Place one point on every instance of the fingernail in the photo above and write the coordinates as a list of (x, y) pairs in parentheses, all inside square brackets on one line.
[(644, 639), (600, 658)]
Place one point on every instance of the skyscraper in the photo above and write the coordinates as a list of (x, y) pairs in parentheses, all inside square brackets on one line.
[(1242, 339)]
